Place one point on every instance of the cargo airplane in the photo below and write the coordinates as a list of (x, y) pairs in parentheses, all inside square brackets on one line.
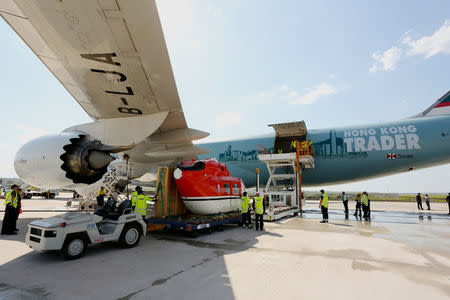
[(112, 58)]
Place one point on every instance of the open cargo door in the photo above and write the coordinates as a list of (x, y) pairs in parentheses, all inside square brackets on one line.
[(285, 133)]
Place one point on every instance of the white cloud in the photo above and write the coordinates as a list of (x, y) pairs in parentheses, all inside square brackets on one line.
[(315, 93), (387, 60), (438, 42), (292, 94), (284, 87), (228, 119)]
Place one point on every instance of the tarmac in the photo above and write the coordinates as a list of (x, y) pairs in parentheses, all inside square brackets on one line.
[(400, 254)]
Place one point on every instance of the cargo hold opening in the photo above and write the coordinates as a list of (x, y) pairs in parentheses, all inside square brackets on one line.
[(286, 133)]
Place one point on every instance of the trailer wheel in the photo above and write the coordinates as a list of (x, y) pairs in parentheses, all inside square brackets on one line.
[(130, 236), (75, 246), (52, 196), (28, 195)]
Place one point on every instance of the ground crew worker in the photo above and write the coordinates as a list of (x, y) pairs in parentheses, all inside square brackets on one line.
[(101, 196), (427, 201), (448, 201), (259, 208), (358, 205), (141, 203), (245, 205), (344, 198), (323, 204), (294, 144), (9, 219), (365, 205), (419, 202), (18, 207)]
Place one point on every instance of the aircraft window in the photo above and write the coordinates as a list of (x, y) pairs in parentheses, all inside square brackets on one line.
[(227, 188), (236, 189), (218, 188), (197, 166)]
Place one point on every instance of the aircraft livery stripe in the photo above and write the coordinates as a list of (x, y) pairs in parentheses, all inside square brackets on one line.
[(444, 102)]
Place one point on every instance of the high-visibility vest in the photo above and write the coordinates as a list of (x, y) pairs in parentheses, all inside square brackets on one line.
[(259, 206), (8, 199), (245, 201), (365, 200), (150, 199), (134, 198), (325, 200), (345, 197), (141, 206), (293, 144), (100, 193)]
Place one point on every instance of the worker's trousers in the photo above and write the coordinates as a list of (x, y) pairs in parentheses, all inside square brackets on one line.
[(324, 213), (259, 221), (9, 220), (345, 206), (428, 204), (419, 205), (246, 219), (357, 210), (366, 211)]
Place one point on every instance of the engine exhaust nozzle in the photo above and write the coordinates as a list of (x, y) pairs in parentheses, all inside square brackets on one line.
[(99, 159)]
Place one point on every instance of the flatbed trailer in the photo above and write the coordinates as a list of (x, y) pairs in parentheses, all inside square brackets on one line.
[(193, 224)]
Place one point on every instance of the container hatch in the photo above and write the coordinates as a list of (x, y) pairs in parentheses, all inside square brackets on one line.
[(290, 129)]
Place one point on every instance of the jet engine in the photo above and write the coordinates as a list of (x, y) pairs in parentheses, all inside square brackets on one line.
[(61, 160)]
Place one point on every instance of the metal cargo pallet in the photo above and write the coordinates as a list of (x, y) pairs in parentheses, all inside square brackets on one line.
[(193, 223)]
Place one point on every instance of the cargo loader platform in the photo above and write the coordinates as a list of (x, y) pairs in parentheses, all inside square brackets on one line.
[(291, 154)]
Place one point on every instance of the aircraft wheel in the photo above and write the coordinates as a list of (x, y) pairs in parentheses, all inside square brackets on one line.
[(75, 246), (52, 196), (130, 236)]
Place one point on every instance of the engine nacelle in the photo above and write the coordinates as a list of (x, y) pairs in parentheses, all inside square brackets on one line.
[(61, 160)]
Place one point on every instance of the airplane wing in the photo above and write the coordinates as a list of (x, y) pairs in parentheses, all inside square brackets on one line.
[(111, 57)]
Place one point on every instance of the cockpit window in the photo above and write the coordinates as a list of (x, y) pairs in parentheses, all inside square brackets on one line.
[(197, 166)]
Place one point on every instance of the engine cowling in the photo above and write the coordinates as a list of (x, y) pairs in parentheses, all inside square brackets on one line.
[(61, 160)]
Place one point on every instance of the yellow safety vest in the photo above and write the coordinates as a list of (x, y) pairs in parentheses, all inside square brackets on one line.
[(150, 199), (293, 144), (365, 200), (325, 200), (100, 193), (141, 206), (134, 198), (245, 201), (8, 199), (259, 206)]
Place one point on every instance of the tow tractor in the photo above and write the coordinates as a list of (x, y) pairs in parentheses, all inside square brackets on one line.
[(72, 232)]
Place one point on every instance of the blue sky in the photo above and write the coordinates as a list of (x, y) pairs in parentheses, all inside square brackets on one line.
[(240, 65)]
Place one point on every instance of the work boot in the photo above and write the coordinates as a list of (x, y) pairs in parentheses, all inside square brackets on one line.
[(244, 226), (250, 226), (323, 221)]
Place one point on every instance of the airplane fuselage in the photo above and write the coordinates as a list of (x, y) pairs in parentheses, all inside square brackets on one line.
[(350, 153)]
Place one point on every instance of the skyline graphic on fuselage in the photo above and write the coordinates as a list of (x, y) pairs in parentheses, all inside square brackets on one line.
[(236, 155), (334, 147)]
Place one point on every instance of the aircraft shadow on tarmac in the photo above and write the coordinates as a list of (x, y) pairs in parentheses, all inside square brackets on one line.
[(163, 266)]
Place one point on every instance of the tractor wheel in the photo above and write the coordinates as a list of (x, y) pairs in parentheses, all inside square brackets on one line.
[(75, 246), (130, 236)]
